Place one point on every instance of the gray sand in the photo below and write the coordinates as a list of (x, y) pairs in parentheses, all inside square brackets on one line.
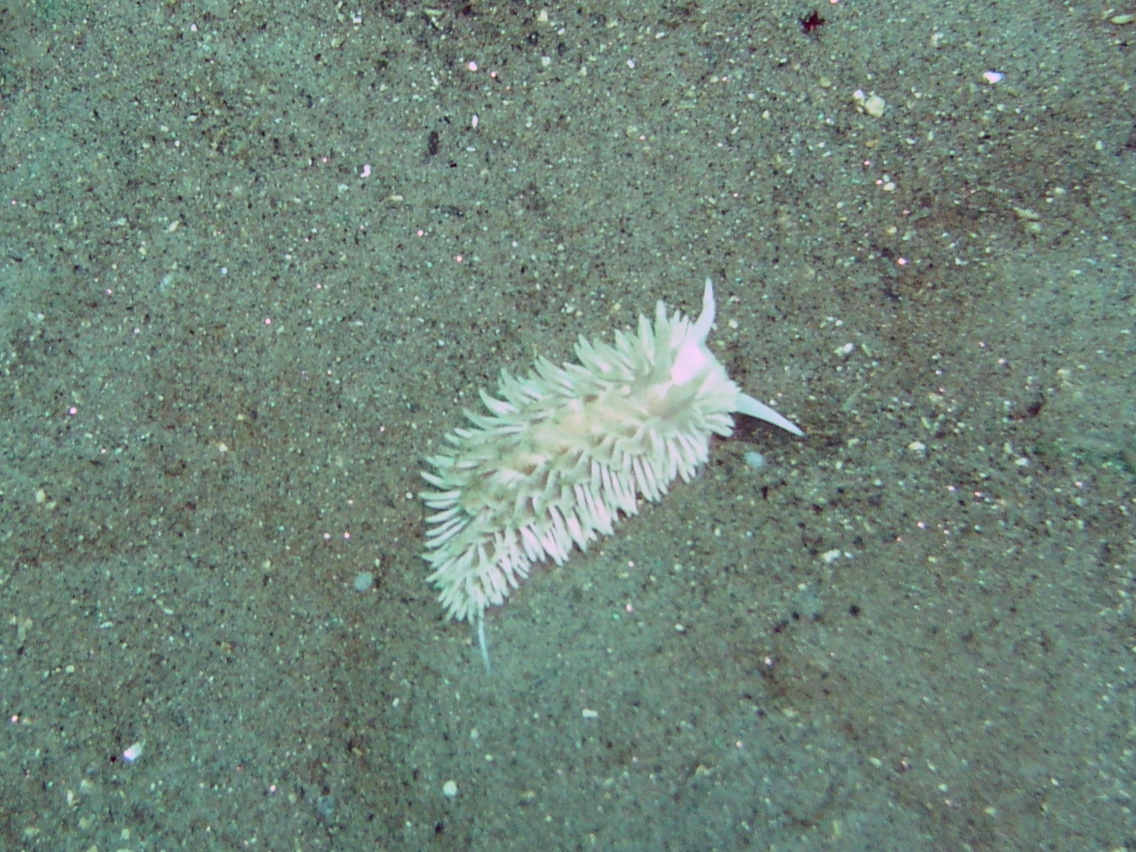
[(258, 257)]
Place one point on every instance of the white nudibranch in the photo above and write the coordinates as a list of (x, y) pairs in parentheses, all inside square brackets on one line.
[(566, 450)]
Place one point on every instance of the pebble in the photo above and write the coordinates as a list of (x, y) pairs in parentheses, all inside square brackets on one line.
[(450, 789), (872, 104), (363, 581)]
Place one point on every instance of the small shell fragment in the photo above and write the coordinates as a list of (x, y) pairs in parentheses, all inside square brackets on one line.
[(872, 104)]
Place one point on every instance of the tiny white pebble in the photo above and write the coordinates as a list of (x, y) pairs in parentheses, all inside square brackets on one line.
[(590, 714), (754, 460), (363, 581), (450, 789), (874, 106)]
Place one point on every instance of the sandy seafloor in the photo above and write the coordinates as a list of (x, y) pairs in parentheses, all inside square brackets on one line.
[(257, 259)]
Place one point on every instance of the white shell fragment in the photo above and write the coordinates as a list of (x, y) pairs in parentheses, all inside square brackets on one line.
[(872, 104)]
